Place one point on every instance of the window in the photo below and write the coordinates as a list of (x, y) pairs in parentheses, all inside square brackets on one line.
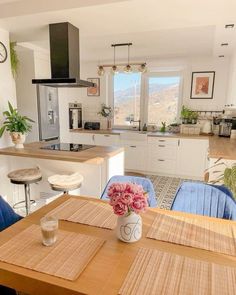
[(163, 97), (152, 98), (127, 89)]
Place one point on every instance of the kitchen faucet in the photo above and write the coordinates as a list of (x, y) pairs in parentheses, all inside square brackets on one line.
[(136, 121)]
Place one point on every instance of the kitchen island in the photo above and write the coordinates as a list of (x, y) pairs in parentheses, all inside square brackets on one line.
[(97, 164)]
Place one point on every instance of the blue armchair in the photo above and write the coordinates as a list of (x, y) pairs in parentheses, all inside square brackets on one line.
[(7, 215), (204, 199), (145, 182)]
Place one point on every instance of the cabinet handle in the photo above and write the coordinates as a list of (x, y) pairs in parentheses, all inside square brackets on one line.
[(160, 160), (133, 146), (93, 137), (161, 140), (161, 145), (178, 142), (107, 135)]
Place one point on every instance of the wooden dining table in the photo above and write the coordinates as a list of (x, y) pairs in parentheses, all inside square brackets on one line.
[(107, 271)]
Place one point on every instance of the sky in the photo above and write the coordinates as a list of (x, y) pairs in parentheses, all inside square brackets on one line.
[(123, 81)]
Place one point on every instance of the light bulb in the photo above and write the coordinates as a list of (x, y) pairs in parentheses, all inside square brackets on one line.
[(142, 68), (101, 71), (128, 69), (114, 70)]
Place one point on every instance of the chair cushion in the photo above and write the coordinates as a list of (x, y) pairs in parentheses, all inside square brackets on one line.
[(25, 174), (7, 215), (66, 181)]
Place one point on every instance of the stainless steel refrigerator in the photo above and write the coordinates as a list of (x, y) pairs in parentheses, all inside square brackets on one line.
[(48, 113)]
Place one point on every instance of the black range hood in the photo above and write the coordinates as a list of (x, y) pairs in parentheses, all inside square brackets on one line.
[(65, 60)]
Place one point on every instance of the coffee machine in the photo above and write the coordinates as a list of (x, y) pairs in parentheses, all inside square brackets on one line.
[(225, 127), (75, 116)]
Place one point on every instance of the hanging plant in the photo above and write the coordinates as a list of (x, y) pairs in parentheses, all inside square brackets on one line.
[(14, 59)]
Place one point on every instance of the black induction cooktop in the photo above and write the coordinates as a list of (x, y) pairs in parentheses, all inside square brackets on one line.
[(71, 147)]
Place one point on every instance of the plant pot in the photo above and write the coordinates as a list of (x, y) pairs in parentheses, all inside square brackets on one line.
[(18, 139), (129, 228)]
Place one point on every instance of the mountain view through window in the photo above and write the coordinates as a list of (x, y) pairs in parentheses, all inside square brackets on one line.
[(162, 94)]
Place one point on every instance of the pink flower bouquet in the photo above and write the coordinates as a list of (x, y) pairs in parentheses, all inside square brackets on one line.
[(127, 197)]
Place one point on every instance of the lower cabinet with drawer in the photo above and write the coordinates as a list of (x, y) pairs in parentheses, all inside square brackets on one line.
[(136, 157), (106, 139), (162, 155)]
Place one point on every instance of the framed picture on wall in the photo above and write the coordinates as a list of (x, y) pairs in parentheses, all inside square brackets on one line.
[(202, 86), (94, 91)]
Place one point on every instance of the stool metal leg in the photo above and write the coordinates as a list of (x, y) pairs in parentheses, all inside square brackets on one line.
[(27, 198)]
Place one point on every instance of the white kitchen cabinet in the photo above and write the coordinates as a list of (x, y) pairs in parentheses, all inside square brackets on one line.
[(82, 138), (135, 157), (192, 157), (106, 139), (162, 155)]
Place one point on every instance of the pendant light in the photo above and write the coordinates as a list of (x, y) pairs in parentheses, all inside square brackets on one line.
[(114, 69), (101, 71), (143, 68), (128, 68)]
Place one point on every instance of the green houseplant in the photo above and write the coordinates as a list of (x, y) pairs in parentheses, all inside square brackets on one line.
[(227, 175), (17, 125), (14, 59), (106, 112)]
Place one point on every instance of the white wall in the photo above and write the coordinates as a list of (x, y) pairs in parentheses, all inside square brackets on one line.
[(7, 93), (231, 94)]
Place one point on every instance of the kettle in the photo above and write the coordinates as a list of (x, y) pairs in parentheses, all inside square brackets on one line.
[(207, 128)]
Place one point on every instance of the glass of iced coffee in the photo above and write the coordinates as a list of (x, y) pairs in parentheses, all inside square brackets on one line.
[(49, 227)]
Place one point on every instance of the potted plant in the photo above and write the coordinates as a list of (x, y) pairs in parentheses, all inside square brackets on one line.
[(17, 125), (106, 112), (128, 201), (185, 114), (193, 117), (163, 127)]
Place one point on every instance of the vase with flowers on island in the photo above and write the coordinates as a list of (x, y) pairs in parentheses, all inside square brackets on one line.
[(107, 112), (17, 125), (128, 201)]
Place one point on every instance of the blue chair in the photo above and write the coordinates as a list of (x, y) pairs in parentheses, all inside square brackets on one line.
[(7, 215), (145, 182), (204, 199), (7, 218)]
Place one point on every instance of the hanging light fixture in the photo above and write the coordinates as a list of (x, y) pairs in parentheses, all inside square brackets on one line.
[(143, 68), (101, 71), (128, 67), (114, 69)]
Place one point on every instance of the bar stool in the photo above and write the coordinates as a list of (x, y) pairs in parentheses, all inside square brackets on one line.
[(25, 177), (65, 183)]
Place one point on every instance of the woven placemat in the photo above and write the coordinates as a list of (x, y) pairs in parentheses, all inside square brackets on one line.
[(97, 214), (156, 272), (195, 232), (66, 259)]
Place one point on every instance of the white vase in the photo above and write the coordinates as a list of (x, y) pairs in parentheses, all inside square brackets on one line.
[(18, 139), (129, 228)]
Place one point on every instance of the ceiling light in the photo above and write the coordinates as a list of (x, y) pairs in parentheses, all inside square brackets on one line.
[(224, 44), (229, 26), (114, 70), (142, 68), (221, 56), (128, 69), (101, 71)]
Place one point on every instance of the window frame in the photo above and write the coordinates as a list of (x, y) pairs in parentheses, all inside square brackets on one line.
[(144, 96)]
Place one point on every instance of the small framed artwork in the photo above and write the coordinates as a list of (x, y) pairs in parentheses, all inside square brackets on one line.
[(94, 91), (202, 86)]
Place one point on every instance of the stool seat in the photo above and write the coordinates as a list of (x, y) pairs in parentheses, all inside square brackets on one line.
[(24, 176), (65, 182)]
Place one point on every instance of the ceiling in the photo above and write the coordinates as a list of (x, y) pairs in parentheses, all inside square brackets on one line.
[(158, 29)]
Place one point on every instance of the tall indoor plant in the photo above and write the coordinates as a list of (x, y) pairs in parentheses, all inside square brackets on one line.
[(18, 126)]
